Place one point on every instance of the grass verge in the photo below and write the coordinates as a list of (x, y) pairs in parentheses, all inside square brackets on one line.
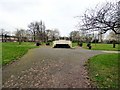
[(103, 70), (12, 51)]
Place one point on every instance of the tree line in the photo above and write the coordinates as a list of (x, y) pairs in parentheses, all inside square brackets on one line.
[(36, 32), (103, 18)]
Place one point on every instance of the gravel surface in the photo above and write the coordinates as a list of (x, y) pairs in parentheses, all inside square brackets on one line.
[(47, 67)]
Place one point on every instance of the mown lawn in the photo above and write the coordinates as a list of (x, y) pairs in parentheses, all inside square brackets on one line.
[(103, 70), (99, 46), (12, 50)]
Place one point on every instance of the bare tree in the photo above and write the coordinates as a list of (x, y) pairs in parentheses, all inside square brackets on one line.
[(80, 36), (75, 35), (20, 34), (32, 28), (102, 19), (4, 35), (52, 34), (49, 34), (38, 30), (2, 32), (29, 35), (41, 31), (55, 34)]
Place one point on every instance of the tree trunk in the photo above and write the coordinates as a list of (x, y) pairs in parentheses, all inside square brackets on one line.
[(34, 38), (114, 44), (2, 37), (20, 40)]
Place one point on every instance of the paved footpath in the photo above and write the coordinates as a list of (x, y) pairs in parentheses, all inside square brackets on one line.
[(47, 67)]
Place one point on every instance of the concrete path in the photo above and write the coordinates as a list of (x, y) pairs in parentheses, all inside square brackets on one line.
[(47, 67)]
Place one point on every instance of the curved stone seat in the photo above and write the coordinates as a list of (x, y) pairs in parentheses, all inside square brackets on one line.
[(62, 44)]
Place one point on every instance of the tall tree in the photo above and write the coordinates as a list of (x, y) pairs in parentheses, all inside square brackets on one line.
[(4, 35), (38, 30), (2, 32), (102, 19), (29, 35), (49, 34), (32, 28), (55, 34)]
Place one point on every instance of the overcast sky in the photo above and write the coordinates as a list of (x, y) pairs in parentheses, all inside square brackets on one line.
[(55, 13)]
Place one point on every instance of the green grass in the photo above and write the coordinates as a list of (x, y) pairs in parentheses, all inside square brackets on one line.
[(99, 46), (74, 44), (12, 50), (103, 70)]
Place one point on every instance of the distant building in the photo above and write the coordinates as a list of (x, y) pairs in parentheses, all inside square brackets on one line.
[(7, 38)]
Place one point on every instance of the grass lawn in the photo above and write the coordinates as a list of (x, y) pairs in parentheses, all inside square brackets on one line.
[(12, 50), (99, 46), (103, 70)]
